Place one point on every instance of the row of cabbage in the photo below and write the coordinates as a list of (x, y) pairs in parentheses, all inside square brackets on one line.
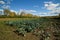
[(24, 26)]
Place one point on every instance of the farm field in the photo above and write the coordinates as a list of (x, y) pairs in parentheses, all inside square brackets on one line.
[(29, 19), (29, 29)]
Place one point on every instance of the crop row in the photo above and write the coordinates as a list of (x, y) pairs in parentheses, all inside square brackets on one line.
[(43, 27)]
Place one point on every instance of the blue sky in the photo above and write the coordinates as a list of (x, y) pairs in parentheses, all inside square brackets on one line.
[(37, 7), (27, 4)]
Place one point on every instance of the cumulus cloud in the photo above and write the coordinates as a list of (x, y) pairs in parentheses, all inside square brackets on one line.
[(2, 2), (51, 5), (54, 8), (5, 3)]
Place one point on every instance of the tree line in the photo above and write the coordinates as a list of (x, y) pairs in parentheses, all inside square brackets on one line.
[(23, 14), (10, 14)]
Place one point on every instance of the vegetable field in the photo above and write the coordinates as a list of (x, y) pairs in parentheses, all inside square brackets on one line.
[(30, 29)]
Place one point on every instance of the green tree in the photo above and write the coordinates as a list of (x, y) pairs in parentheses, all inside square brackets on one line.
[(6, 12), (22, 13), (12, 14)]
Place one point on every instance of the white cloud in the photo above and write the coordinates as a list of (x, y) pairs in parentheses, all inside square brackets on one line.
[(13, 11), (51, 5), (2, 2), (5, 6), (9, 1), (5, 3), (54, 8), (47, 14), (57, 10), (46, 5), (28, 11)]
